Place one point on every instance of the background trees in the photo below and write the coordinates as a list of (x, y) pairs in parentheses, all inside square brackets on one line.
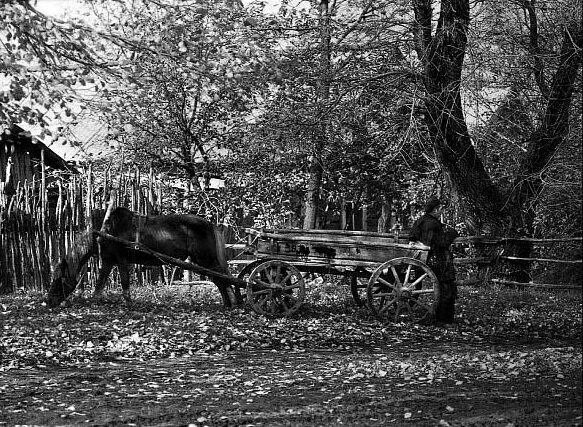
[(311, 106), (181, 108), (353, 132), (491, 208)]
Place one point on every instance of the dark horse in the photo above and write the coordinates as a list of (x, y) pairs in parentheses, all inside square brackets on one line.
[(177, 236)]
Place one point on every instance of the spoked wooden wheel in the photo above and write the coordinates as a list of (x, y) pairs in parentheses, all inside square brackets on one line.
[(403, 289), (246, 272), (275, 288)]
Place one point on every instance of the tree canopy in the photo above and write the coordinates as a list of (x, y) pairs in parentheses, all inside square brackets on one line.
[(303, 107)]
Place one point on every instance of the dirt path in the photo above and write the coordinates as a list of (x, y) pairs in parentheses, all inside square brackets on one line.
[(511, 359), (473, 385)]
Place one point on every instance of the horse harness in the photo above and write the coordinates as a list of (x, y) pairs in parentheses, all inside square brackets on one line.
[(138, 221)]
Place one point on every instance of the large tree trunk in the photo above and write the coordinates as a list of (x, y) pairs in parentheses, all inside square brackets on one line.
[(544, 142), (442, 55)]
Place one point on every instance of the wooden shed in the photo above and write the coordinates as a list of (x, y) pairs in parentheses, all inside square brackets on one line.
[(22, 158)]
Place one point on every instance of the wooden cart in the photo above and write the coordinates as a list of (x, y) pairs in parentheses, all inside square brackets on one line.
[(384, 270)]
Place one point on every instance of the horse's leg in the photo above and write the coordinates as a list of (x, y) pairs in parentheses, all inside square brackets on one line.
[(227, 293), (231, 297), (124, 276), (102, 278), (222, 291), (238, 297)]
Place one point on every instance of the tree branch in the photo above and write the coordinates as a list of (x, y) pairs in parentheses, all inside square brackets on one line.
[(422, 27), (538, 66), (555, 125)]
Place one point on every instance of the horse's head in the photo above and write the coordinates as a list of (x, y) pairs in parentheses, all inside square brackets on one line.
[(62, 284)]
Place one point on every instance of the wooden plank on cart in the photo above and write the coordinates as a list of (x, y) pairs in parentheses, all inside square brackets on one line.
[(339, 236), (334, 248)]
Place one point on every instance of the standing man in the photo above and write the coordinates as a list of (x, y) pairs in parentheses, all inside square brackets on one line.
[(429, 230)]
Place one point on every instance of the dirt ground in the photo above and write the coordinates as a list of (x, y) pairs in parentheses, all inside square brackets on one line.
[(296, 388), (181, 364)]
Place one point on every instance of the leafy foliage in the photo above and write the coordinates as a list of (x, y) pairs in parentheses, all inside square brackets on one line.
[(46, 63), (184, 106), (183, 84), (336, 109)]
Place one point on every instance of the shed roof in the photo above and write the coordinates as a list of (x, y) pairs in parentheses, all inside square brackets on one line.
[(84, 141), (20, 137)]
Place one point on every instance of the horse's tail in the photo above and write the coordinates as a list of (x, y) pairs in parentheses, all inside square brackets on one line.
[(221, 250), (233, 297)]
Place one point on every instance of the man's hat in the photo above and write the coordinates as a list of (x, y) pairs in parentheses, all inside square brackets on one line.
[(432, 203)]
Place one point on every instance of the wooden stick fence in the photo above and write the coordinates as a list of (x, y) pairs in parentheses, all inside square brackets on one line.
[(39, 222)]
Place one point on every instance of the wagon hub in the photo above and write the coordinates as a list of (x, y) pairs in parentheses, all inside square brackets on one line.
[(277, 290), (405, 294)]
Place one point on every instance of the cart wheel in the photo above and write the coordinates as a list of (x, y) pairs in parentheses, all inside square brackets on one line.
[(358, 284), (275, 288), (246, 271), (403, 289)]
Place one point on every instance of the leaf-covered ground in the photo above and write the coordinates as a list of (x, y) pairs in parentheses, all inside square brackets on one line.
[(175, 357)]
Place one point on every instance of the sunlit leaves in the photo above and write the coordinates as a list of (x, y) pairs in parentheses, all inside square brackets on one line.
[(194, 86), (46, 62)]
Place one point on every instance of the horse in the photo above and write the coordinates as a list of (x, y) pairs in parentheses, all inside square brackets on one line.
[(176, 236)]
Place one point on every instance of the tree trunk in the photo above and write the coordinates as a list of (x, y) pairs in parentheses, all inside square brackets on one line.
[(442, 55), (542, 146), (365, 212), (6, 285), (384, 221), (545, 141), (312, 200)]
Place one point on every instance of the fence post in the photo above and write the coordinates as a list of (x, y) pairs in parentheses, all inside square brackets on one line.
[(485, 249)]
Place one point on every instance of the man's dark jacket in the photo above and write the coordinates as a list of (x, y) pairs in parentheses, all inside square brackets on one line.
[(431, 232)]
